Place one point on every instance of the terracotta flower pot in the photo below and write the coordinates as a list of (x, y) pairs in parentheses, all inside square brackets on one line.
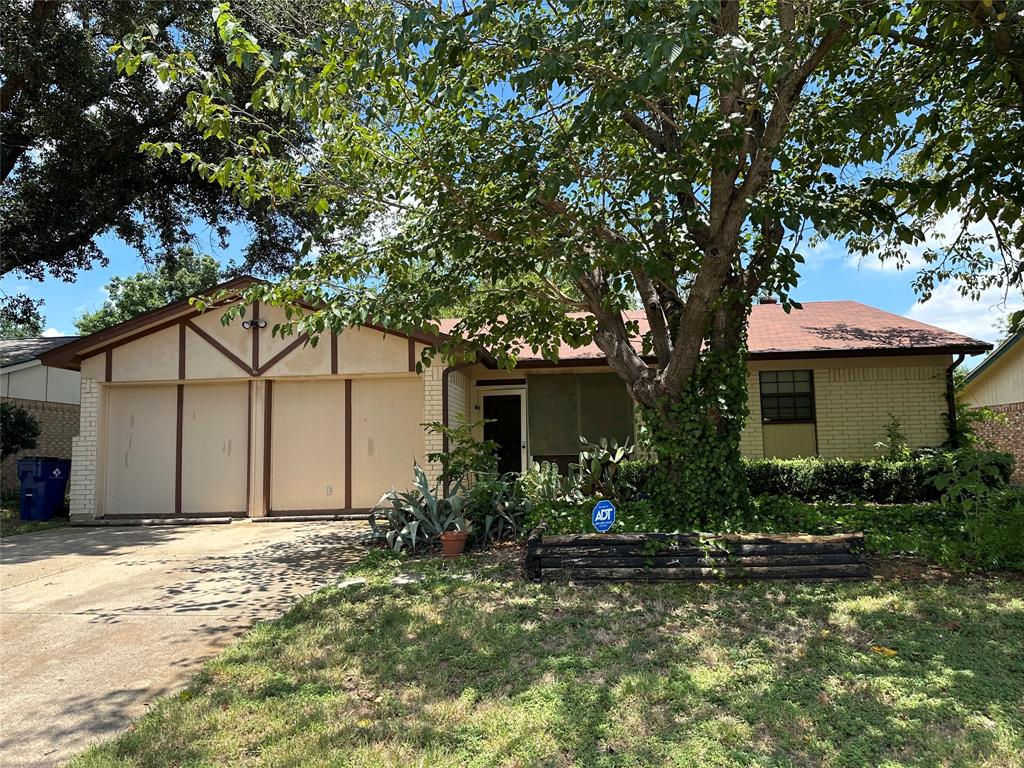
[(453, 543)]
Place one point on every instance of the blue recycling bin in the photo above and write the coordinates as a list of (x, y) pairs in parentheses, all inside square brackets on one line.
[(42, 486)]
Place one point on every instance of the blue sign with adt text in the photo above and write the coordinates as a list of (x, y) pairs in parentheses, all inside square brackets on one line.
[(603, 516)]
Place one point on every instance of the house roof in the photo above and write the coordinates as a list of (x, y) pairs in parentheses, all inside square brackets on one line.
[(1004, 346), (819, 329), (70, 355), (16, 351)]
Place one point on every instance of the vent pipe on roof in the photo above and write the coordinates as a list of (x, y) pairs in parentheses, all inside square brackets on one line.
[(766, 299)]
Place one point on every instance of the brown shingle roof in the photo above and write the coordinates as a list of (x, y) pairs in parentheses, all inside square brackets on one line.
[(821, 328)]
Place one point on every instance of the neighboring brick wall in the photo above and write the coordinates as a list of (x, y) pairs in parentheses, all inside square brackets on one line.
[(1007, 434), (58, 423), (83, 455), (433, 408)]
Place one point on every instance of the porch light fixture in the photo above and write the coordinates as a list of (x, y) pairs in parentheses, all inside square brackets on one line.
[(250, 324)]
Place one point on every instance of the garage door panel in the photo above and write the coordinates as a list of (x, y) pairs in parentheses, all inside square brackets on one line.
[(140, 460), (387, 436), (307, 445), (215, 440)]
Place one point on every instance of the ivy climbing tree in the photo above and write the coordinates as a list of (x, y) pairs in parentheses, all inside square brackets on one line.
[(544, 165)]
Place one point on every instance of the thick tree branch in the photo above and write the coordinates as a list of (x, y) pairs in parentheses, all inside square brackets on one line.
[(660, 338)]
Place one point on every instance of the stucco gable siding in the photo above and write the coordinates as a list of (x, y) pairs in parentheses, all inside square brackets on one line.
[(1001, 383)]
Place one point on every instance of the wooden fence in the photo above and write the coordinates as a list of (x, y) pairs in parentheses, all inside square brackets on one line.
[(694, 556)]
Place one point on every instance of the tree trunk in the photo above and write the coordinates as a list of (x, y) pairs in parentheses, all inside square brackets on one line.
[(698, 479)]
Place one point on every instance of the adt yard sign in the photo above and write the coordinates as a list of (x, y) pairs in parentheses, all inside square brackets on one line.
[(603, 516)]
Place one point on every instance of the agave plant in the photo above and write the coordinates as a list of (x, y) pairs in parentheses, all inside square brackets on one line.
[(417, 517), (598, 465), (499, 503)]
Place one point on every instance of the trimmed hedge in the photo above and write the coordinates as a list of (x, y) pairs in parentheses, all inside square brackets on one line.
[(833, 480)]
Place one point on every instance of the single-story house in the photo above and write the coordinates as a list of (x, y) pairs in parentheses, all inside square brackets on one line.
[(998, 383), (50, 394), (182, 415)]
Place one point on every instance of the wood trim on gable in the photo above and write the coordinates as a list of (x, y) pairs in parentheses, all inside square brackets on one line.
[(181, 351), (220, 348), (302, 339)]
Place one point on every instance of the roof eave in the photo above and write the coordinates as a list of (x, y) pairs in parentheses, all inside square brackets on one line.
[(1001, 350), (69, 356)]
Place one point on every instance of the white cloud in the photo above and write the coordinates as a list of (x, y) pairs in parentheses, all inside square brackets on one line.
[(50, 332), (978, 319)]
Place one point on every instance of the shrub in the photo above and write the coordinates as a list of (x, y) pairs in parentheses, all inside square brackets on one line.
[(497, 507), (575, 517), (877, 480), (19, 429), (466, 456)]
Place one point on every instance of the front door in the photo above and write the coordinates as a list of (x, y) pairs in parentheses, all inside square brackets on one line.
[(503, 423)]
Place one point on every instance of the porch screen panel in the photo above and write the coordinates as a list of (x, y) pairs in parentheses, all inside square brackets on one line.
[(606, 409), (564, 406), (553, 414)]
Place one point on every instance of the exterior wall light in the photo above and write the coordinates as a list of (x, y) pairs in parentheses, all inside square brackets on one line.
[(250, 324)]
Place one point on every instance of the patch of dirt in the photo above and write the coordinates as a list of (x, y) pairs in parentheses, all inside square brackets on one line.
[(905, 568)]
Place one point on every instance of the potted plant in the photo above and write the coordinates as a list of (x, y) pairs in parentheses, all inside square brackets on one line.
[(420, 517), (453, 541)]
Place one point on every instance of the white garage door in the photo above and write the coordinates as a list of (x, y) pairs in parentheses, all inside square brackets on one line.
[(141, 430), (215, 445), (307, 456)]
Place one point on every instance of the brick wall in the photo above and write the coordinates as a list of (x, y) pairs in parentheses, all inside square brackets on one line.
[(1007, 434), (458, 408), (83, 452), (58, 424), (853, 401)]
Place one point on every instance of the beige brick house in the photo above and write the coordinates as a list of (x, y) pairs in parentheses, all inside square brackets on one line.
[(182, 415)]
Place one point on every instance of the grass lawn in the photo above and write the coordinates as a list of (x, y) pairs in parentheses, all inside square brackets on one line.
[(12, 525), (493, 671)]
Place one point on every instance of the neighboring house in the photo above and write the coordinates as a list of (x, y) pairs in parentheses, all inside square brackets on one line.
[(998, 382), (50, 394), (182, 415)]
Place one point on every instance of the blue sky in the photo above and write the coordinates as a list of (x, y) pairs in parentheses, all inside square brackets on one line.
[(830, 273)]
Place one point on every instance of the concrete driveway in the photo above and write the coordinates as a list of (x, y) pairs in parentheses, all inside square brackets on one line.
[(97, 622)]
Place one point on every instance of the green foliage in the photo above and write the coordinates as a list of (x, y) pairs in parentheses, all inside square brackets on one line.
[(73, 122), (417, 518), (597, 471), (698, 474), (546, 163), (19, 320), (182, 275), (544, 483), (944, 533), (895, 443), (968, 418), (559, 517), (497, 505), (19, 429), (466, 457), (966, 476)]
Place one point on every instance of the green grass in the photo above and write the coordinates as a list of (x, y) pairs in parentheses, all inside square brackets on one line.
[(495, 671), (12, 525)]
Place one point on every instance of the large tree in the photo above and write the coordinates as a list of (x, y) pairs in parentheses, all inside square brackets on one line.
[(186, 274), (72, 124), (679, 151)]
